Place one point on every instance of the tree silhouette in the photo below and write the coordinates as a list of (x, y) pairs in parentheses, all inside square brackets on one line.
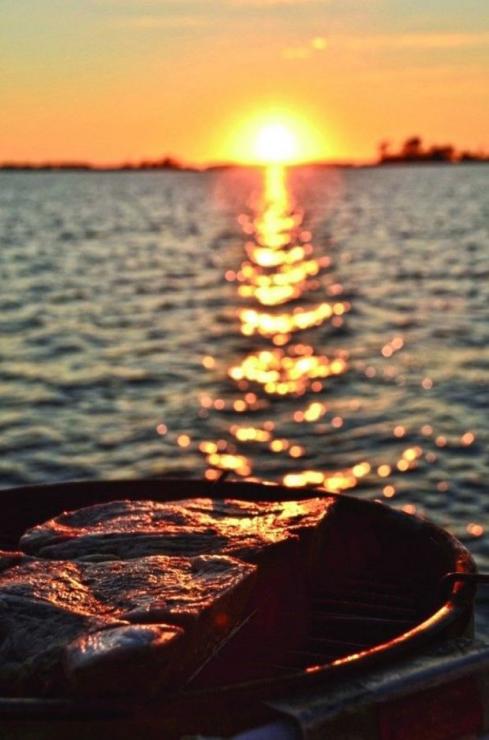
[(412, 150)]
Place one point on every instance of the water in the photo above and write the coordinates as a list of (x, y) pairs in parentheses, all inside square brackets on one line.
[(134, 313)]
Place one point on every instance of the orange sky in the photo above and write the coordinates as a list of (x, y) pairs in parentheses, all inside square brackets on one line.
[(110, 80)]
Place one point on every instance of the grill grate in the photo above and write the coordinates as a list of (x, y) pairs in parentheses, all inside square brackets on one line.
[(339, 620), (351, 616)]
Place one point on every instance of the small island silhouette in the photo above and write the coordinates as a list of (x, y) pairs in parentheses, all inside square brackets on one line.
[(412, 151)]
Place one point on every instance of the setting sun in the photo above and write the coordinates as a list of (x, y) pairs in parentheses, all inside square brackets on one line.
[(276, 135), (275, 143)]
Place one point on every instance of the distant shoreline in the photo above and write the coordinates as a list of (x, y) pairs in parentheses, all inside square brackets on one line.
[(412, 151), (89, 168)]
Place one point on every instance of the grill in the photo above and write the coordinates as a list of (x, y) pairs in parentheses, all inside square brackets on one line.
[(354, 617), (368, 592)]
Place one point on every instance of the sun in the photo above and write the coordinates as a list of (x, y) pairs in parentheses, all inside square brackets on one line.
[(275, 143), (275, 136)]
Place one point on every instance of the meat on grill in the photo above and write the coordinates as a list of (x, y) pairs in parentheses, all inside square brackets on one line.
[(127, 529), (117, 627), (128, 597)]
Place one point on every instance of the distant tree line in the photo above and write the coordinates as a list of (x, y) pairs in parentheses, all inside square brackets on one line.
[(413, 150), (165, 163), (48, 166)]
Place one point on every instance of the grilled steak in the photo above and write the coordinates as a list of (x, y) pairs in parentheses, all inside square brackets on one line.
[(130, 596), (114, 627), (128, 529)]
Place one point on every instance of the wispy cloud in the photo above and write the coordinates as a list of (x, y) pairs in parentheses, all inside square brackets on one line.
[(316, 44), (271, 3), (385, 42), (149, 22), (206, 3), (415, 41)]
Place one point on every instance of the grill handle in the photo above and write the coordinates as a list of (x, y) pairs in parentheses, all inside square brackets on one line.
[(473, 579)]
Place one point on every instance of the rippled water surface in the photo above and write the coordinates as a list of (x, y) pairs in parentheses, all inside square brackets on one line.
[(314, 327)]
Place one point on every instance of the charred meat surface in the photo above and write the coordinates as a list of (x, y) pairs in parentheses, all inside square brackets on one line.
[(128, 529), (130, 660), (33, 637), (140, 623), (127, 597)]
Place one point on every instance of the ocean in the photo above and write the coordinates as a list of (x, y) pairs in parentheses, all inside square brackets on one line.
[(319, 326)]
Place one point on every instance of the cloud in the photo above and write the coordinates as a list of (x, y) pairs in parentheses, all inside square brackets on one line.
[(149, 22), (414, 41), (319, 43), (205, 3), (386, 42), (316, 44), (272, 3), (188, 4)]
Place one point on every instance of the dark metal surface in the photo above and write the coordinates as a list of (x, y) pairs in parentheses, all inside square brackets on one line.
[(320, 714)]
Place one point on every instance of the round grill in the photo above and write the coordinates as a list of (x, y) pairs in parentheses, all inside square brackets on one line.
[(370, 590)]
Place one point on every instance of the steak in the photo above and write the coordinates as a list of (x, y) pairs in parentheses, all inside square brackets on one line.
[(117, 627), (128, 529), (128, 597)]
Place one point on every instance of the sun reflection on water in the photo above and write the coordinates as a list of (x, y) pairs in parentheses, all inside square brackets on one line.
[(278, 279), (273, 402)]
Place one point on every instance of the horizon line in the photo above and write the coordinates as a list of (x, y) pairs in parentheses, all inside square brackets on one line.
[(170, 163), (412, 152)]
